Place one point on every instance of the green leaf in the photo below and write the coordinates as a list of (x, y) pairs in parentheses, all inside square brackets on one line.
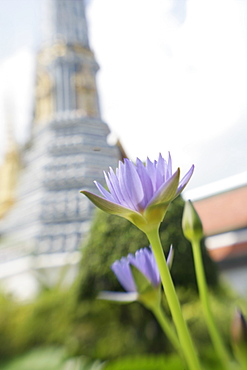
[(141, 282)]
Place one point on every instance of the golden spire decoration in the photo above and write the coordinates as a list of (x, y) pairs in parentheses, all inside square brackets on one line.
[(9, 171)]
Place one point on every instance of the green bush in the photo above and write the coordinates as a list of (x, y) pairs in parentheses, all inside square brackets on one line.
[(98, 329), (47, 320), (38, 359), (145, 363)]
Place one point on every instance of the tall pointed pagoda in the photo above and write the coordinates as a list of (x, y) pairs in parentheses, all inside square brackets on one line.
[(68, 149)]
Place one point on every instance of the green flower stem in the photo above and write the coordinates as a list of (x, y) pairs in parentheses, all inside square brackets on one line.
[(172, 299), (167, 328), (202, 286)]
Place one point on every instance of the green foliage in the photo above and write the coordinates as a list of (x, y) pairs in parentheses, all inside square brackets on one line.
[(50, 358), (103, 330), (145, 363), (47, 320), (38, 359)]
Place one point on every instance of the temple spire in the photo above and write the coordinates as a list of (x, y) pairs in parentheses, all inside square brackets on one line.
[(66, 67), (65, 20)]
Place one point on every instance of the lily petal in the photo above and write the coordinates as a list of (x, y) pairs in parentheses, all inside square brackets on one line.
[(185, 180), (146, 183), (114, 208), (119, 297), (123, 184), (169, 166), (134, 184), (104, 192), (145, 262), (113, 186), (167, 192), (123, 273), (170, 257)]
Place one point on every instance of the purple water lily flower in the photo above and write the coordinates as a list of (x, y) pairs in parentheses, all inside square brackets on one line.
[(140, 193), (144, 261)]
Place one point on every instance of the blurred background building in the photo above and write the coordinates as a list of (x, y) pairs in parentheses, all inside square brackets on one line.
[(44, 218), (222, 207)]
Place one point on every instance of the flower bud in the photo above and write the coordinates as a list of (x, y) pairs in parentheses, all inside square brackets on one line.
[(239, 337), (191, 223), (239, 329)]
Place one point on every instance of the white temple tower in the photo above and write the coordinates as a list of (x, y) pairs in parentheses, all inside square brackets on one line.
[(68, 149)]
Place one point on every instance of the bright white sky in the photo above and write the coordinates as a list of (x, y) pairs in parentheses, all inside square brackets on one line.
[(173, 77)]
